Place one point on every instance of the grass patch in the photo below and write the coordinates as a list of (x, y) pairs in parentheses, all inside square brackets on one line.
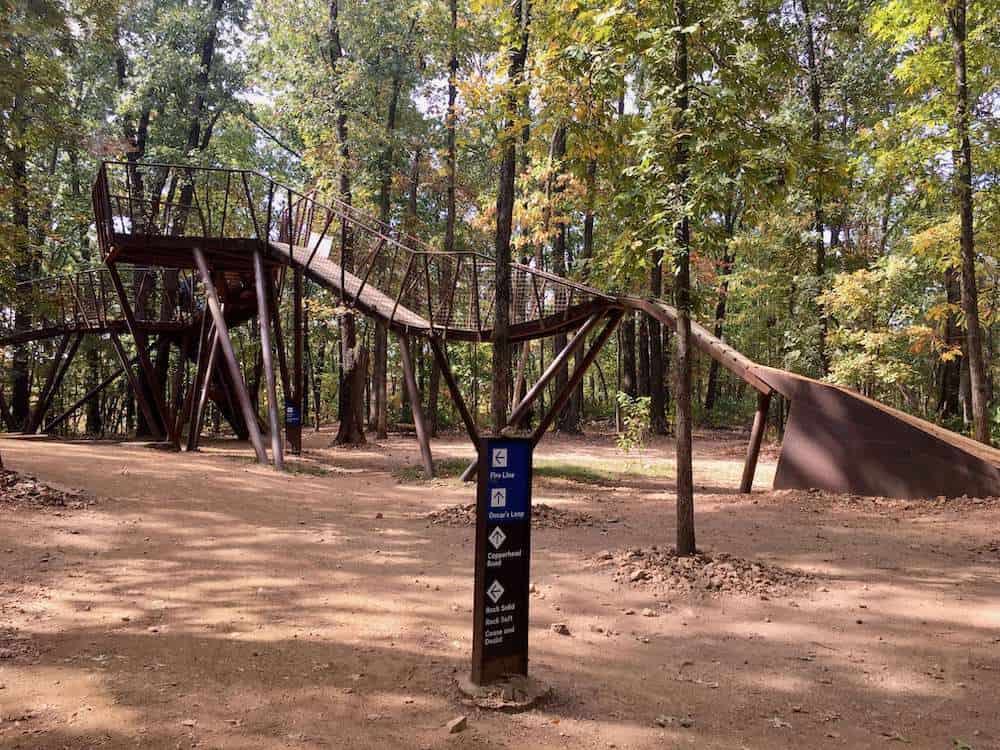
[(582, 470), (602, 470), (293, 466), (306, 467), (444, 468)]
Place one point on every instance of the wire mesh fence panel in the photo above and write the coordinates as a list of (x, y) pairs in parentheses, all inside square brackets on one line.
[(369, 263)]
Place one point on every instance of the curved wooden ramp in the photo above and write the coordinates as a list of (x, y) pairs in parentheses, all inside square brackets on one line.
[(838, 440)]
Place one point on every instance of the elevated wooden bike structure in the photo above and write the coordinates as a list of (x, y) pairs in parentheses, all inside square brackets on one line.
[(224, 245)]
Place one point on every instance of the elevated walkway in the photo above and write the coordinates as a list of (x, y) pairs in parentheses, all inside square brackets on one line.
[(245, 227)]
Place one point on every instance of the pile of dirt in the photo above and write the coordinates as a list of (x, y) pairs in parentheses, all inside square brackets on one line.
[(820, 500), (663, 570), (24, 490), (990, 550), (542, 516), (13, 645)]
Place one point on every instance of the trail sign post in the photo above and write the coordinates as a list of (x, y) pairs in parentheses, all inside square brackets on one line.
[(503, 553)]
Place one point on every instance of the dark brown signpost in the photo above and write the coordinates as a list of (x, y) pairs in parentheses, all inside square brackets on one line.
[(503, 555)]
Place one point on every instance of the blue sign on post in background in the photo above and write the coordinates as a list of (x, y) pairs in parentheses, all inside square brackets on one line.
[(293, 418)]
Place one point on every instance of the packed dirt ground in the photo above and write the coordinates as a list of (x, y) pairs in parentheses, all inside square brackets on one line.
[(162, 600)]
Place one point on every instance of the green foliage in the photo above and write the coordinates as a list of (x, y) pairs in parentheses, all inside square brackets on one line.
[(635, 422), (882, 321)]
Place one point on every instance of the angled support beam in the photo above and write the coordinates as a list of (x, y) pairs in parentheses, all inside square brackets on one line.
[(437, 346), (207, 358), (46, 404), (418, 412), (229, 355), (159, 421), (577, 377), (559, 361), (756, 436), (35, 418), (183, 414), (93, 392), (133, 381), (273, 297), (263, 315), (293, 433)]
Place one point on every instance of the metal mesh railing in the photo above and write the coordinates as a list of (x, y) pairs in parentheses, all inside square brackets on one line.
[(86, 301), (450, 291)]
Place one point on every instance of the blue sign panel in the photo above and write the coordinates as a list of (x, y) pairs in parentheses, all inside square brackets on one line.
[(508, 481), (293, 417), (503, 552)]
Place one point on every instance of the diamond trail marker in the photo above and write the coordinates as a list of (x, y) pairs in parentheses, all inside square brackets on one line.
[(503, 553)]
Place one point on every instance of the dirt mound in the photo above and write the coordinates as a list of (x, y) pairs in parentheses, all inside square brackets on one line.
[(25, 491), (820, 500), (991, 550), (663, 570), (542, 516)]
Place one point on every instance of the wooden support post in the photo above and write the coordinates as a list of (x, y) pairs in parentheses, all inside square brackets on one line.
[(756, 436), (437, 346), (418, 412), (293, 433), (279, 338), (229, 355), (86, 397), (560, 360), (159, 421), (35, 418), (577, 377), (176, 384), (134, 382), (207, 359), (184, 409), (264, 317)]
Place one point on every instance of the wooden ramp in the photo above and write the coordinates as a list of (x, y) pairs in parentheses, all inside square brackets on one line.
[(332, 276), (838, 440)]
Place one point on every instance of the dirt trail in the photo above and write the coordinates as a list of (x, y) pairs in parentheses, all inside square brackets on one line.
[(206, 602)]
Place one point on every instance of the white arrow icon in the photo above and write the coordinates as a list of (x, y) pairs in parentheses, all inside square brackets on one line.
[(495, 591), (498, 498), (497, 538)]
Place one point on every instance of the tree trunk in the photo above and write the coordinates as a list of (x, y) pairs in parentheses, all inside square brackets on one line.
[(352, 392), (643, 379), (629, 383), (450, 170), (517, 55), (318, 367), (576, 402), (963, 196), (20, 399), (380, 360), (657, 364), (682, 293), (816, 132), (569, 419), (94, 424), (950, 370), (726, 267)]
